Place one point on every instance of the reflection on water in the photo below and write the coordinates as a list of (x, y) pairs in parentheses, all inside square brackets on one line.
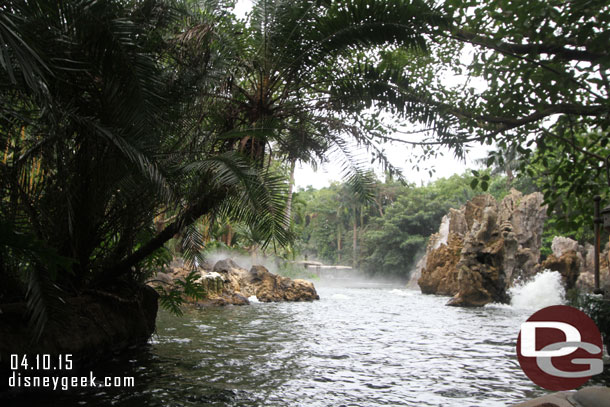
[(354, 347)]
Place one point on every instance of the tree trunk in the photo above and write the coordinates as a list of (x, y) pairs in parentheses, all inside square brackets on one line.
[(379, 207), (288, 213), (355, 241), (203, 206), (339, 243), (509, 176), (229, 235)]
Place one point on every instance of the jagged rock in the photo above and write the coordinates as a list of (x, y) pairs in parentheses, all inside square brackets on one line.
[(441, 273), (453, 224), (488, 245), (561, 244), (480, 278), (259, 282), (586, 279), (569, 265), (576, 263)]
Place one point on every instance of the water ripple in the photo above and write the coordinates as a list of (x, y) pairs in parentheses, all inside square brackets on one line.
[(354, 347)]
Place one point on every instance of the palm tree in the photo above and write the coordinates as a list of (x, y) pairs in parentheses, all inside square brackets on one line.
[(304, 72), (112, 113), (96, 126), (83, 98), (505, 160)]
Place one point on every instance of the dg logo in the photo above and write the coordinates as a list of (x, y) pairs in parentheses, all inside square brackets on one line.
[(560, 348)]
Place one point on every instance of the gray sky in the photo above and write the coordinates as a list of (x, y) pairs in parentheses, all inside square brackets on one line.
[(444, 166)]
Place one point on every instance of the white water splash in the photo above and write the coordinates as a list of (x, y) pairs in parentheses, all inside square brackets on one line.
[(253, 299), (544, 290), (401, 293), (341, 297)]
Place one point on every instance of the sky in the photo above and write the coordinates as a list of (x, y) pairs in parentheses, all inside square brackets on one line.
[(444, 165)]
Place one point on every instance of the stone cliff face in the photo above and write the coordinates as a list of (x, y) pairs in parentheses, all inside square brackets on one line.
[(483, 247)]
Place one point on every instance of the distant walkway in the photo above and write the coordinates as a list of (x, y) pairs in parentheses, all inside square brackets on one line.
[(324, 270)]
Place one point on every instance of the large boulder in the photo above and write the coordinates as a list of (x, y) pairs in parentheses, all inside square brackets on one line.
[(90, 326), (569, 265), (483, 248)]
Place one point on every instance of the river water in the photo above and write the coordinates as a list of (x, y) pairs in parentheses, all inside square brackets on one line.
[(370, 345)]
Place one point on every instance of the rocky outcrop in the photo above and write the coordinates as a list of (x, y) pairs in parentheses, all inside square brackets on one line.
[(90, 327), (442, 254), (440, 274), (483, 247), (259, 282), (576, 264), (569, 265), (226, 283)]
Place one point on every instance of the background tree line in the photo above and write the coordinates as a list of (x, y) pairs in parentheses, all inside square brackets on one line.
[(387, 234)]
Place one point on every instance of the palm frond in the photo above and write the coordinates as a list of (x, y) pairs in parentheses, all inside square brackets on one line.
[(258, 197), (360, 182), (40, 266), (17, 56)]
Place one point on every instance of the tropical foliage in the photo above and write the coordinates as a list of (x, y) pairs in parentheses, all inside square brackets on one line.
[(533, 79), (127, 124), (124, 123), (392, 229)]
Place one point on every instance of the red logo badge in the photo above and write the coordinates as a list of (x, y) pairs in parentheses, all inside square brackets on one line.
[(560, 348)]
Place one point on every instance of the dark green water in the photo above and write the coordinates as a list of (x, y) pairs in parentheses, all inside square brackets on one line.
[(375, 346)]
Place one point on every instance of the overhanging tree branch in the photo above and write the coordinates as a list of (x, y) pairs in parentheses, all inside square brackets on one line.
[(205, 205), (558, 51)]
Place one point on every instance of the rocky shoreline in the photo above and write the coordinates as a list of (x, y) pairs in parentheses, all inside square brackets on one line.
[(226, 283)]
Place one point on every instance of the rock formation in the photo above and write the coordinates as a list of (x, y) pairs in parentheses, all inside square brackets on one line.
[(483, 247), (90, 327), (567, 258), (226, 283), (259, 282), (576, 264)]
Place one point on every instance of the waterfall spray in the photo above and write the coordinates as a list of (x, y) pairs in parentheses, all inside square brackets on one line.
[(544, 290)]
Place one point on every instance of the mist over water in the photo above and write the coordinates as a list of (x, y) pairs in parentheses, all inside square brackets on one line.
[(243, 260), (346, 278)]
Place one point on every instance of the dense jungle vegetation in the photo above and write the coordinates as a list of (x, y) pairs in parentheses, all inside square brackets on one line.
[(129, 128)]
